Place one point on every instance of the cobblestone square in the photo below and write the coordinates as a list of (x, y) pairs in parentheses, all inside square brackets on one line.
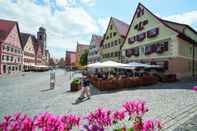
[(173, 103)]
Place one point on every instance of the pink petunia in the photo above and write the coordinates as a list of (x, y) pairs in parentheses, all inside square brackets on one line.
[(194, 88)]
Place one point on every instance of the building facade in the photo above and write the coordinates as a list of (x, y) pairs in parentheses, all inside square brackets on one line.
[(70, 59), (80, 50), (11, 57), (113, 40), (38, 54), (153, 40), (28, 42), (94, 49)]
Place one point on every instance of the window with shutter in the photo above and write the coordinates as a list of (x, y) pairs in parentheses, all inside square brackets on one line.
[(131, 40), (141, 37), (153, 32)]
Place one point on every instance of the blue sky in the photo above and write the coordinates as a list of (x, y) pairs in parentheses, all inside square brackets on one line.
[(69, 21)]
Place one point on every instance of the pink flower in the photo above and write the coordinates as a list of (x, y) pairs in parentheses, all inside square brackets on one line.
[(135, 108), (148, 125), (194, 88), (118, 115)]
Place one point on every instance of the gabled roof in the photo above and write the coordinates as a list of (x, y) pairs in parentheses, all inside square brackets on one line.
[(121, 26), (168, 24), (24, 38), (97, 39), (5, 28)]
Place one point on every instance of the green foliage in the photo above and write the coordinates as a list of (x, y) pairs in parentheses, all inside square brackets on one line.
[(76, 81), (84, 58), (130, 129)]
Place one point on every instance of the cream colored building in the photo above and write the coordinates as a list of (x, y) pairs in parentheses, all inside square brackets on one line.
[(113, 40), (28, 41), (153, 40)]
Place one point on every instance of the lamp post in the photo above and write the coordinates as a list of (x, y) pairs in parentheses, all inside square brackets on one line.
[(193, 61)]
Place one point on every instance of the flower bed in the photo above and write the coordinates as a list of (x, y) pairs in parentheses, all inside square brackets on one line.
[(100, 120)]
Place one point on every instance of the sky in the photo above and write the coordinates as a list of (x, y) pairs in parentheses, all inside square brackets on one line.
[(69, 21)]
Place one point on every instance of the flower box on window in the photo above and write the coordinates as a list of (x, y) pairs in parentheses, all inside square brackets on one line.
[(153, 32), (141, 37), (131, 40)]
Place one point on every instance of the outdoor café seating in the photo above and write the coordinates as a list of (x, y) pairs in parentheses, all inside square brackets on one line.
[(122, 80)]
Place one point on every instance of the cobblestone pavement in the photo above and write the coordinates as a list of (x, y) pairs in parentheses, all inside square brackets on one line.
[(173, 103)]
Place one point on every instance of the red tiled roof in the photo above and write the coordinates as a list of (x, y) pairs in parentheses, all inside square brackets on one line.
[(5, 27), (82, 46), (97, 39), (121, 26)]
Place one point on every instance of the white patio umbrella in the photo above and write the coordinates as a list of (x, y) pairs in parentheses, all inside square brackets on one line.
[(113, 64), (109, 64), (94, 65), (135, 64)]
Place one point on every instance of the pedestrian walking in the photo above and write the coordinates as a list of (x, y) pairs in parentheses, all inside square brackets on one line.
[(52, 79), (85, 90)]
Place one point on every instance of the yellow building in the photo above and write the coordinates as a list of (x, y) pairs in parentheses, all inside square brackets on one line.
[(113, 40), (153, 40), (80, 50)]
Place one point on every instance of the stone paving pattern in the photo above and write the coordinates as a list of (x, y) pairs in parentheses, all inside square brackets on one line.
[(29, 93)]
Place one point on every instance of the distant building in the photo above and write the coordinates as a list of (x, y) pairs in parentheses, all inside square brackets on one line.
[(94, 49), (80, 50), (47, 54), (153, 40), (38, 54), (28, 41), (11, 57), (113, 40), (70, 59)]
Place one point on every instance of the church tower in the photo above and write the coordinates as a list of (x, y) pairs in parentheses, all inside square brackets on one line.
[(41, 37)]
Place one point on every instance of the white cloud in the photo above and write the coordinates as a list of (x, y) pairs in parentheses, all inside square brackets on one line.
[(186, 18), (103, 22), (64, 28), (89, 2)]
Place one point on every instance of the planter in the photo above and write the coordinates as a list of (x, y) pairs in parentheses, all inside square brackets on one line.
[(75, 87)]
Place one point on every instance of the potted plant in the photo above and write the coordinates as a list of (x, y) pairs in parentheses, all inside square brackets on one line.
[(75, 84)]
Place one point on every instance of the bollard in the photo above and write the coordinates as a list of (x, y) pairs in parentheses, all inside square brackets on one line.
[(52, 79)]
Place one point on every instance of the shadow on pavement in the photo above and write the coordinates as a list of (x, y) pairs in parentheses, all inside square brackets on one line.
[(79, 101), (44, 90)]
